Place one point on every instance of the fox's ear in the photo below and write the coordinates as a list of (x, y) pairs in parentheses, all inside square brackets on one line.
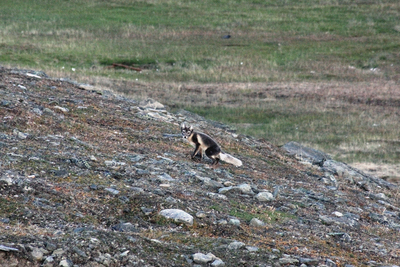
[(183, 125), (191, 128)]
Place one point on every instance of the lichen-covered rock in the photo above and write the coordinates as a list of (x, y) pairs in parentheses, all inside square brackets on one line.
[(177, 215)]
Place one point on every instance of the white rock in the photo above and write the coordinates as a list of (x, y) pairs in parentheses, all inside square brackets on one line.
[(222, 222), (252, 248), (64, 110), (201, 214), (217, 196), (20, 135), (236, 245), (225, 190), (234, 222), (337, 214), (5, 248), (288, 261), (33, 75), (256, 223), (245, 189), (113, 163), (264, 196), (218, 263), (202, 258), (381, 196), (65, 263), (37, 254), (165, 177), (124, 254), (177, 215), (112, 191), (7, 179)]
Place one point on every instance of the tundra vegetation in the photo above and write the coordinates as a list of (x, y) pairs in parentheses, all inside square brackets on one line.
[(94, 173)]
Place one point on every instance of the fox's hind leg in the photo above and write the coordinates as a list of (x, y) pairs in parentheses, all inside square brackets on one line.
[(213, 153)]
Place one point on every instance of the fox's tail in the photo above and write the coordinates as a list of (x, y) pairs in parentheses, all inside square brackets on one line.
[(230, 159)]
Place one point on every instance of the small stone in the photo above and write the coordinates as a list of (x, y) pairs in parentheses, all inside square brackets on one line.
[(93, 187), (20, 135), (37, 111), (64, 110), (346, 238), (217, 196), (66, 263), (380, 196), (309, 261), (252, 249), (146, 211), (202, 258), (112, 191), (48, 111), (222, 222), (256, 223), (218, 263), (113, 163), (236, 245), (277, 190), (5, 103), (288, 261), (201, 214), (165, 177), (177, 215), (50, 246), (225, 190), (37, 254), (79, 252), (234, 221), (58, 252), (209, 183), (264, 196), (245, 189), (337, 214), (171, 200), (49, 261), (228, 183), (330, 263), (125, 227), (326, 220), (124, 254)]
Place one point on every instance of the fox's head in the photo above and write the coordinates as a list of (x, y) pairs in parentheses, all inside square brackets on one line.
[(186, 131)]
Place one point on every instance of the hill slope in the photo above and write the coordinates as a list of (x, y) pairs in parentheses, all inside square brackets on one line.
[(86, 178)]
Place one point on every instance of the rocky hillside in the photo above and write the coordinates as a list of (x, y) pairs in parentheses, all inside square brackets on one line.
[(88, 178)]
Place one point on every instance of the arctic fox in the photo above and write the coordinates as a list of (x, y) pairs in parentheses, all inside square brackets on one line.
[(204, 143)]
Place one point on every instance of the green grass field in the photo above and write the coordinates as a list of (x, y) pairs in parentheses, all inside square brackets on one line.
[(182, 40), (178, 42)]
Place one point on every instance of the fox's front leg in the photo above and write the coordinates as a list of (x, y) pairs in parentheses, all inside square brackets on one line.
[(197, 150)]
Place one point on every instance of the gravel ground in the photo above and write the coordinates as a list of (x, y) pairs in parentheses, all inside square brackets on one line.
[(90, 178)]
